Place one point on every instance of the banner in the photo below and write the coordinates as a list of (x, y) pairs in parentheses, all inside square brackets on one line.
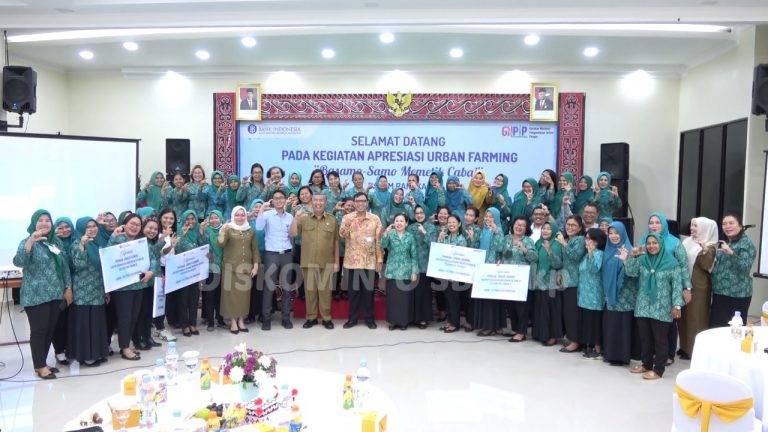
[(186, 268), (398, 148), (123, 264), (501, 282), (158, 304), (454, 263)]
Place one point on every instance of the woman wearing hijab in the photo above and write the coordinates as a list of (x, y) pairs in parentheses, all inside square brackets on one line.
[(526, 199), (562, 203), (294, 184), (606, 196), (142, 333), (251, 187), (518, 248), (396, 206), (457, 198), (701, 248), (209, 234), (87, 316), (547, 187), (489, 315), (620, 295), (240, 263), (481, 194), (501, 200), (659, 300), (584, 194), (657, 224), (152, 193), (548, 308), (177, 197), (46, 283), (604, 224), (64, 230), (422, 233), (198, 192), (732, 276), (145, 212), (233, 185), (188, 297), (574, 249), (127, 300), (217, 195), (380, 197), (435, 196), (591, 297), (167, 236)]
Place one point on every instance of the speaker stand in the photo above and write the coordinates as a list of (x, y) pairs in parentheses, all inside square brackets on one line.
[(4, 124)]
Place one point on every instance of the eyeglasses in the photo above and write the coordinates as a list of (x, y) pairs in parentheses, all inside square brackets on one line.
[(361, 201)]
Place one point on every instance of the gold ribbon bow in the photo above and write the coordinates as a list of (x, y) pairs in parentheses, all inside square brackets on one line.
[(726, 412), (765, 316)]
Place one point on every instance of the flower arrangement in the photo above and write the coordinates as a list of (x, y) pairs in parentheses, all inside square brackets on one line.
[(245, 365)]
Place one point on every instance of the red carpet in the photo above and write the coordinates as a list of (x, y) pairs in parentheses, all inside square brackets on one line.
[(340, 309)]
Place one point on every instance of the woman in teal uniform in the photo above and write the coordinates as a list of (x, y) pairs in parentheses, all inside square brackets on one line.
[(152, 192), (402, 272), (591, 297), (188, 297), (732, 274), (606, 196), (574, 249), (548, 307), (620, 296), (422, 232)]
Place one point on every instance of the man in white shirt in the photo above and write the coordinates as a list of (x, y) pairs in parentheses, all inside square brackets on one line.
[(538, 217), (589, 216)]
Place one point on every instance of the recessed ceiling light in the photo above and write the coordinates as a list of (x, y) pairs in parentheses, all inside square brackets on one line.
[(248, 42), (591, 51), (456, 53), (531, 39), (203, 55), (87, 55), (386, 38), (130, 46), (328, 53)]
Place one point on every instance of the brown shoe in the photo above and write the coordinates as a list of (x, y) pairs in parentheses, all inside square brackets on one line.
[(638, 369), (651, 375)]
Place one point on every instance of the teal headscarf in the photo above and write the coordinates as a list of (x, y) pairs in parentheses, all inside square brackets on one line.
[(605, 192), (212, 234), (382, 195), (557, 201), (393, 208), (122, 216), (583, 197), (154, 196), (544, 260), (656, 263), (66, 242), (670, 242), (290, 189), (520, 202), (613, 268), (145, 212), (486, 236), (260, 234), (431, 197), (607, 219), (91, 248), (232, 193), (503, 191), (193, 233), (220, 174), (51, 238)]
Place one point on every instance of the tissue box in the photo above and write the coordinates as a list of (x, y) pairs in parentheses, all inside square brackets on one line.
[(373, 422), (133, 420)]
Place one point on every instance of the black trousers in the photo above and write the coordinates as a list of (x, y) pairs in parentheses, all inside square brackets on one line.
[(257, 293), (570, 313), (60, 333), (127, 305), (672, 339), (111, 318), (159, 321), (212, 298), (654, 344), (143, 329), (361, 284), (723, 308), (454, 291), (42, 324), (188, 299), (518, 316), (277, 272), (466, 304)]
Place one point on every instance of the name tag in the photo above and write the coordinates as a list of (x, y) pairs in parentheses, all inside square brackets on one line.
[(51, 247)]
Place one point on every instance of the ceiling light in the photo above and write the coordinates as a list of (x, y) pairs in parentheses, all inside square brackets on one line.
[(531, 39), (386, 38), (130, 46), (248, 42), (87, 55), (591, 51), (328, 53), (624, 27), (203, 55), (456, 53)]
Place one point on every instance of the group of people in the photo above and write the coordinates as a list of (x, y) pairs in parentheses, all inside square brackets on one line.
[(590, 288)]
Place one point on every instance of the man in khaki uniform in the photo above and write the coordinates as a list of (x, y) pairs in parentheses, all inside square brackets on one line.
[(319, 258)]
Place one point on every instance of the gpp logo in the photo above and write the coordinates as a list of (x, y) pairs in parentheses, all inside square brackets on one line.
[(514, 131)]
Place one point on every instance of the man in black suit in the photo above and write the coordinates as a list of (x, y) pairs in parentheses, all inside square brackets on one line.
[(249, 103), (542, 102)]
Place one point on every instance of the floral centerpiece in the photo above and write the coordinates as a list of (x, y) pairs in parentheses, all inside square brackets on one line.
[(248, 368)]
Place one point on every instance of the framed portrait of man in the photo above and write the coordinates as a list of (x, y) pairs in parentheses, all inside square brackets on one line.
[(248, 104), (544, 102)]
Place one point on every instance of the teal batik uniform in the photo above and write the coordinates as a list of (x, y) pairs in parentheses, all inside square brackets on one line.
[(674, 247), (417, 194), (230, 196), (508, 253), (46, 273), (198, 198), (607, 202), (520, 204), (249, 192), (178, 200), (660, 285), (216, 200), (191, 239), (153, 195), (392, 209), (403, 258), (457, 200), (560, 210), (87, 280), (455, 240), (583, 197), (505, 209), (590, 292), (66, 242), (331, 199), (544, 271), (731, 275), (423, 242), (379, 200), (434, 197), (210, 237), (573, 253), (620, 289)]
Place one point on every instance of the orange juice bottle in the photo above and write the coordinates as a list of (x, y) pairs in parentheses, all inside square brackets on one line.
[(129, 385)]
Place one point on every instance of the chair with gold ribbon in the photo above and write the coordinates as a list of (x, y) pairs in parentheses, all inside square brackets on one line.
[(712, 402)]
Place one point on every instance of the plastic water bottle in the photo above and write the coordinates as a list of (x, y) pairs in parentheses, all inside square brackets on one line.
[(74, 368), (736, 325), (172, 363), (296, 422), (362, 386), (161, 381), (147, 403), (285, 398)]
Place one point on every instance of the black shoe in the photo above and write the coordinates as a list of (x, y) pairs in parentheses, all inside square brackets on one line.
[(222, 324), (94, 363), (266, 326), (135, 357), (371, 325), (243, 329), (288, 325), (142, 346), (422, 325), (684, 356), (195, 332), (64, 362), (349, 324), (51, 375), (310, 323), (153, 342), (403, 327), (210, 328), (234, 331), (392, 327), (328, 324), (248, 320), (53, 369)]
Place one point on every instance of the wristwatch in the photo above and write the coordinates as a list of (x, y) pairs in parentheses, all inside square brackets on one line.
[(678, 307)]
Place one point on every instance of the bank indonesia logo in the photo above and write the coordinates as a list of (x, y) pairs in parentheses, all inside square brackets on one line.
[(252, 128), (514, 131)]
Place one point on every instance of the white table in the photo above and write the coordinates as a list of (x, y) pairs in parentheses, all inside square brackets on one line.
[(716, 351), (319, 397)]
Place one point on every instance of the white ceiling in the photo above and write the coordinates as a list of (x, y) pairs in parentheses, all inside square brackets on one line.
[(291, 34)]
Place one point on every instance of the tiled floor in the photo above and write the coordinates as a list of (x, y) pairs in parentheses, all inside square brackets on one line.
[(438, 382)]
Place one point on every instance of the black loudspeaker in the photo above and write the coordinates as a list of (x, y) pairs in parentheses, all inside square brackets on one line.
[(176, 156), (760, 90), (623, 187), (629, 225), (19, 89), (614, 158), (674, 227)]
